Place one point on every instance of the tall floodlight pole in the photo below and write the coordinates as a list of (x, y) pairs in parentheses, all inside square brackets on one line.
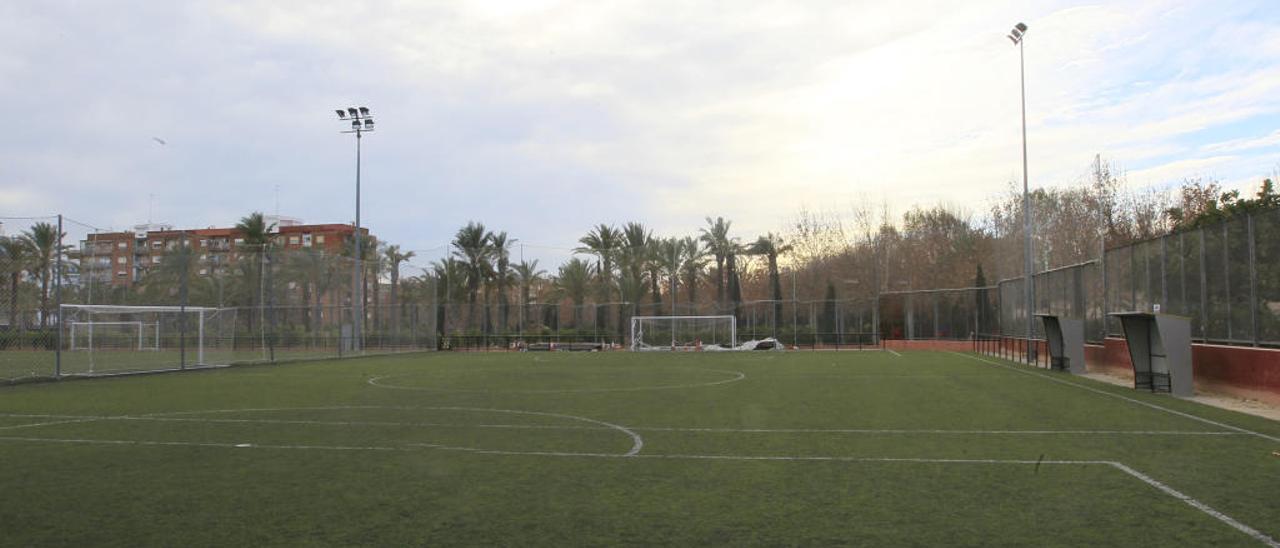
[(1017, 35), (361, 122)]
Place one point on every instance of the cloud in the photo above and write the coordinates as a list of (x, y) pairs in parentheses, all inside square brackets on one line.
[(545, 117)]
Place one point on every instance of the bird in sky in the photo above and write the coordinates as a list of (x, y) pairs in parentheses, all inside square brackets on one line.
[(159, 140)]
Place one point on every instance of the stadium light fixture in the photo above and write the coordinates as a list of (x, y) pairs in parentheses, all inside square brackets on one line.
[(1018, 35), (361, 123)]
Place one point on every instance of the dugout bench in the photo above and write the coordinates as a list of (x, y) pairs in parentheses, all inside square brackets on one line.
[(1160, 351), (1066, 343)]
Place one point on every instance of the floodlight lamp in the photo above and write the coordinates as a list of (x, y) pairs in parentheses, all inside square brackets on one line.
[(368, 124), (1021, 27), (352, 111), (342, 114), (364, 111), (355, 124)]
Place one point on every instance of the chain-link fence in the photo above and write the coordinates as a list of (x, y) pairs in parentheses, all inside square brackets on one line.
[(283, 299), (1225, 277)]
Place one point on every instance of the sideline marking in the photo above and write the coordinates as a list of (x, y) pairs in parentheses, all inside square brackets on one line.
[(1125, 398), (738, 375), (1202, 507), (892, 351), (713, 430), (1256, 534)]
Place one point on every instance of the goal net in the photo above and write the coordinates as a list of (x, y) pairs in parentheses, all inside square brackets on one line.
[(129, 335), (114, 339), (683, 333)]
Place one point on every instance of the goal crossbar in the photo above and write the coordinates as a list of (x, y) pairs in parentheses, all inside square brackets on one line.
[(696, 326)]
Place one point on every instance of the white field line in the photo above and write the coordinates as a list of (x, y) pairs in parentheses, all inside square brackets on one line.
[(1256, 534), (203, 444), (1204, 508), (934, 431), (1125, 398), (737, 376), (713, 430), (49, 423), (892, 351)]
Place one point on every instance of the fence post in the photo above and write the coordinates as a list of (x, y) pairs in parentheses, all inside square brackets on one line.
[(1253, 280), (57, 296), (1204, 291), (182, 301), (1164, 283), (1226, 276)]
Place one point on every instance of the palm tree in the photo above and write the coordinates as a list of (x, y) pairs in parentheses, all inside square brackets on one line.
[(771, 246), (667, 258), (256, 233), (572, 281), (527, 274), (716, 236), (16, 254), (500, 249), (653, 259), (451, 279), (44, 241), (471, 245), (316, 271), (632, 259), (602, 241), (394, 258), (693, 260)]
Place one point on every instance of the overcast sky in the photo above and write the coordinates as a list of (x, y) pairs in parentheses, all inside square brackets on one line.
[(543, 118)]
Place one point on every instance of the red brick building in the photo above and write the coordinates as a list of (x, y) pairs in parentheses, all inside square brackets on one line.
[(123, 258)]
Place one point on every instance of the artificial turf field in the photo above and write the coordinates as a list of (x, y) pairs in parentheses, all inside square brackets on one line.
[(799, 448)]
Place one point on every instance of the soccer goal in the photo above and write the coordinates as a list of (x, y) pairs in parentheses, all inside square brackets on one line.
[(84, 335), (682, 333), (113, 339)]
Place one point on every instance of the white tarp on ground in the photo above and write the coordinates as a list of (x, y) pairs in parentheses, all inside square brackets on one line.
[(770, 343)]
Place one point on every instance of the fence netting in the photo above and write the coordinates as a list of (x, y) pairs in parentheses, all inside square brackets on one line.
[(268, 303)]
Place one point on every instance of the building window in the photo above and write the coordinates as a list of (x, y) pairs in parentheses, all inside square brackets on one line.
[(122, 273), (156, 244), (119, 260), (293, 240), (319, 239), (122, 245), (306, 240), (204, 271), (239, 241)]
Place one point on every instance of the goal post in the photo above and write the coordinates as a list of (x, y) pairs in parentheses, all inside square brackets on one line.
[(682, 333), (115, 339)]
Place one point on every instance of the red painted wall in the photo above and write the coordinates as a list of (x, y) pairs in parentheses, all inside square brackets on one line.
[(1238, 370), (901, 344)]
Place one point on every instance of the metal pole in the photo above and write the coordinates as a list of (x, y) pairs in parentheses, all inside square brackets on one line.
[(57, 292), (1253, 282), (357, 298), (795, 318), (182, 304), (1029, 291)]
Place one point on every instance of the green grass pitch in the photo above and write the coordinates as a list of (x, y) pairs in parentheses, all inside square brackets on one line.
[(555, 449)]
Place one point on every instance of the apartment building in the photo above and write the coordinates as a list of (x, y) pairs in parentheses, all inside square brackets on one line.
[(124, 258)]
